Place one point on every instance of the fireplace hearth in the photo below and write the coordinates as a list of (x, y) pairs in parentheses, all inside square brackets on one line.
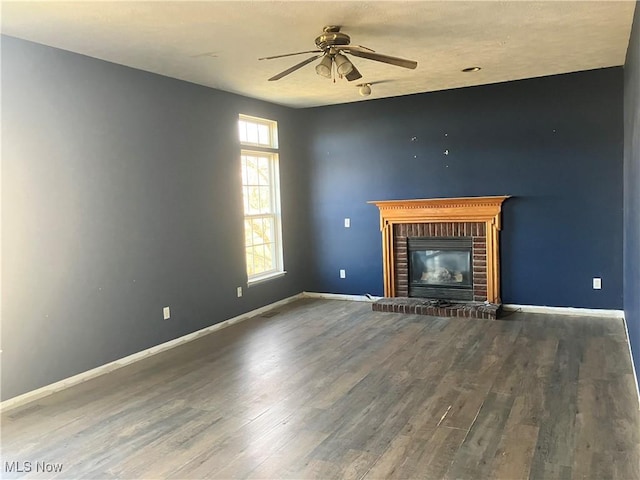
[(442, 249)]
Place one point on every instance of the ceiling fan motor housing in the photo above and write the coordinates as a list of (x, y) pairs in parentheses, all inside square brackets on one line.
[(331, 39)]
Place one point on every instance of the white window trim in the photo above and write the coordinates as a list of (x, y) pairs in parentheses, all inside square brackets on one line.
[(262, 278), (250, 148), (273, 132)]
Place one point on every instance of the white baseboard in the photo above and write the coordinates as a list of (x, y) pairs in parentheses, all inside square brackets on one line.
[(111, 366), (633, 366), (585, 312), (340, 296), (589, 312)]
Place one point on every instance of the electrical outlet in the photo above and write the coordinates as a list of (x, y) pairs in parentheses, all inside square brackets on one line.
[(239, 292), (166, 313), (597, 283), (343, 273), (347, 223)]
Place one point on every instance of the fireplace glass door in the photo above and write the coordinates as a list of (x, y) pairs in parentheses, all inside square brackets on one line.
[(440, 268)]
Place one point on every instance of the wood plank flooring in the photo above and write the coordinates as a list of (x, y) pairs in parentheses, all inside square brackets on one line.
[(329, 389)]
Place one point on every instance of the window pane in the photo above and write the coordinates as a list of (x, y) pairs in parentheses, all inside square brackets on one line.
[(261, 265), (248, 233), (257, 131), (264, 175), (257, 171), (252, 133), (242, 130), (267, 230), (265, 199), (263, 135), (253, 195), (268, 254), (243, 168), (252, 170), (268, 262), (257, 231), (259, 262)]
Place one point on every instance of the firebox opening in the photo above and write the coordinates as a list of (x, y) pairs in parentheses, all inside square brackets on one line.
[(441, 268)]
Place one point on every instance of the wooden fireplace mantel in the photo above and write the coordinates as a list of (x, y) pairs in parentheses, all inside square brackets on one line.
[(433, 210)]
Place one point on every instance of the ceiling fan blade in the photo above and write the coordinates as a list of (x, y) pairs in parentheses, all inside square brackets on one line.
[(361, 47), (289, 54), (294, 68), (378, 57), (354, 74)]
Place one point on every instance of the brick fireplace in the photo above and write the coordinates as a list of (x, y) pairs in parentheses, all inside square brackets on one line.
[(472, 221)]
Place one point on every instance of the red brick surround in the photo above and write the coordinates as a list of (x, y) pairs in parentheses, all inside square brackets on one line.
[(476, 230)]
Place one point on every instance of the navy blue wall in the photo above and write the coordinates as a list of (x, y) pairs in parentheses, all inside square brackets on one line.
[(554, 143), (632, 189), (117, 200)]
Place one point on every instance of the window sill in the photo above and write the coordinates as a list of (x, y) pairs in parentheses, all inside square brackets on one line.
[(265, 278)]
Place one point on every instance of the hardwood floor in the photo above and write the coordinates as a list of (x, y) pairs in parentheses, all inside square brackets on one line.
[(330, 389)]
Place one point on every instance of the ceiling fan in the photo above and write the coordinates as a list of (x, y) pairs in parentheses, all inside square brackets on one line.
[(332, 46)]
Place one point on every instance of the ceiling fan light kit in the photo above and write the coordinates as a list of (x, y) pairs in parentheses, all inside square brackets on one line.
[(343, 65), (364, 89), (324, 67), (333, 46)]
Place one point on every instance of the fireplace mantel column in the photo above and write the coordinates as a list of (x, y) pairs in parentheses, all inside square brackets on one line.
[(388, 258)]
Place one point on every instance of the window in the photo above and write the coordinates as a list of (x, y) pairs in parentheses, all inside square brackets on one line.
[(261, 197)]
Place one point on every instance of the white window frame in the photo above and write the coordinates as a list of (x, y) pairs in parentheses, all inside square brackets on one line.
[(268, 148)]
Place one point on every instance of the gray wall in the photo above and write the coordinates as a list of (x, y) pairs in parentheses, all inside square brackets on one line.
[(632, 189), (118, 193)]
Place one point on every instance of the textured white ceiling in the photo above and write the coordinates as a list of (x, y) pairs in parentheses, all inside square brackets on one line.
[(217, 44)]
